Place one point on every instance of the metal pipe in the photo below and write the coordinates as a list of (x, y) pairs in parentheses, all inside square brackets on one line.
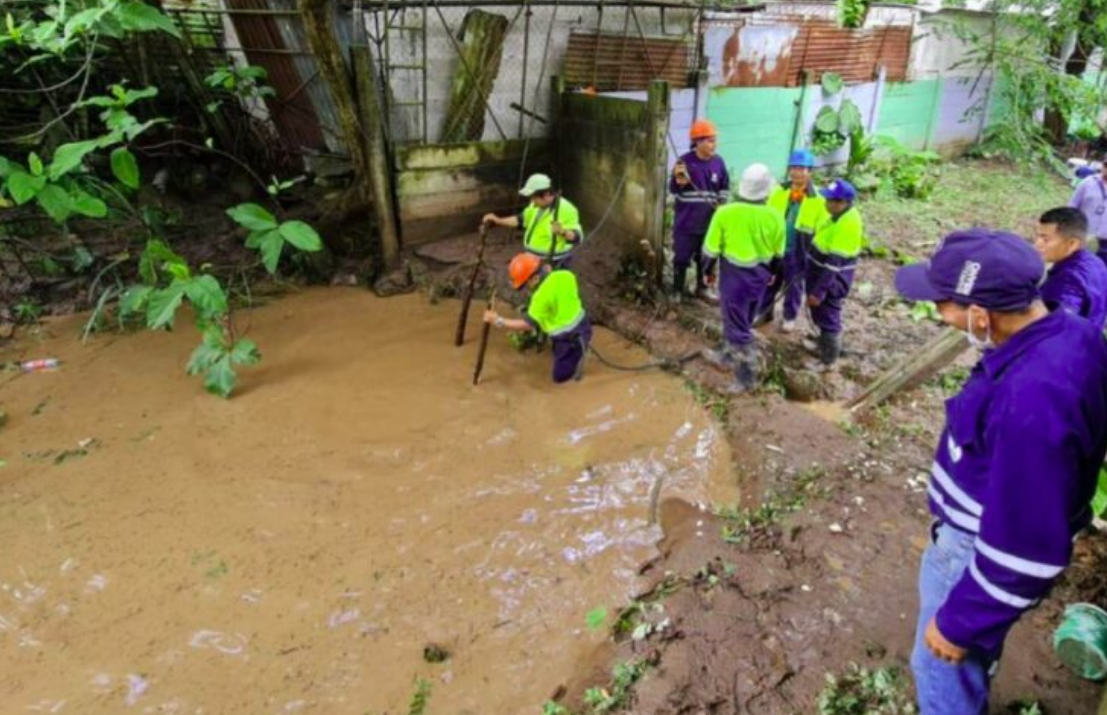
[(526, 52)]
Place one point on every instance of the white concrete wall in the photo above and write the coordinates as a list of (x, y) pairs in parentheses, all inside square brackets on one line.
[(443, 62)]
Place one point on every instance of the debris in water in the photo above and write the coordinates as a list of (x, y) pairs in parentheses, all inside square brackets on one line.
[(434, 653), (229, 643), (97, 583), (836, 528), (339, 618), (136, 686)]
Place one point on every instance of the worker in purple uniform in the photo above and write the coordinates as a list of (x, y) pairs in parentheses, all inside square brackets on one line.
[(1077, 282), (831, 263), (1016, 464), (1091, 198), (699, 183)]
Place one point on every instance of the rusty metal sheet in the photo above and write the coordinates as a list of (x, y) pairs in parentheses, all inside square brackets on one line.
[(614, 62), (763, 52), (292, 110)]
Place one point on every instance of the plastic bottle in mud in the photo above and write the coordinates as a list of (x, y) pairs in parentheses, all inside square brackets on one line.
[(40, 365)]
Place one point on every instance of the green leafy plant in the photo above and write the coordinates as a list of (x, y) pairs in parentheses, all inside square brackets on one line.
[(244, 83), (860, 691), (595, 618), (851, 13), (27, 311), (269, 236), (925, 310), (834, 126), (420, 698), (616, 695), (886, 164)]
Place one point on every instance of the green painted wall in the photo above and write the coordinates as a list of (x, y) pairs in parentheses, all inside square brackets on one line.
[(755, 125), (907, 111)]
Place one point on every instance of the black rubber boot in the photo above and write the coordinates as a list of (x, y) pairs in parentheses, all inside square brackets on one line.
[(680, 280), (745, 369), (830, 348)]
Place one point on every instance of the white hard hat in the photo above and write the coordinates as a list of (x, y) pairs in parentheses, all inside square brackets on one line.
[(756, 183)]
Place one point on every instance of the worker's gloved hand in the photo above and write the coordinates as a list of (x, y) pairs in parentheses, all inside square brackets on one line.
[(940, 647)]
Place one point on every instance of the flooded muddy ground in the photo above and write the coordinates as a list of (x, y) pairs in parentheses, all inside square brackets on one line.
[(295, 549)]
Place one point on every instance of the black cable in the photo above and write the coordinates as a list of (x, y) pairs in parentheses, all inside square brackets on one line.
[(663, 363)]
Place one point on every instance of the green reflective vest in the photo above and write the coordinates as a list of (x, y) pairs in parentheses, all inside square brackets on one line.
[(555, 306), (811, 209), (840, 239), (745, 235), (537, 222)]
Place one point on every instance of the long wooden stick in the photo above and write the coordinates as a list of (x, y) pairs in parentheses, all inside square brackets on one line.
[(920, 365), (467, 299), (484, 341)]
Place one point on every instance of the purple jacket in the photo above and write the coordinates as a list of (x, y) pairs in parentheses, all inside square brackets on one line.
[(696, 201), (1078, 284), (1016, 466)]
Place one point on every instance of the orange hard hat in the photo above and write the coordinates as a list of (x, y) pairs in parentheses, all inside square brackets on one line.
[(702, 129), (522, 267)]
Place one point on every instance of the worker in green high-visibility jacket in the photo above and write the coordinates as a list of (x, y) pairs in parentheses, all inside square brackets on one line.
[(747, 239), (555, 309), (549, 219), (831, 264), (802, 208)]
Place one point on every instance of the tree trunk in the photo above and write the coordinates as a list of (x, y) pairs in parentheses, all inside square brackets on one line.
[(322, 36), (482, 38)]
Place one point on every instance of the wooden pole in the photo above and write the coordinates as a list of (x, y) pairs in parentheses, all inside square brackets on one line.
[(467, 299), (656, 156), (380, 172), (912, 370), (484, 341)]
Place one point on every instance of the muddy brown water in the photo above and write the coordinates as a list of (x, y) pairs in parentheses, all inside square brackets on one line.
[(294, 549)]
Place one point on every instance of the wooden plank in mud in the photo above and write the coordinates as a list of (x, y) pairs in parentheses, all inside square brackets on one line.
[(914, 369)]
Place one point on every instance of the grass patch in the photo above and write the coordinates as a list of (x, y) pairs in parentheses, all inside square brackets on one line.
[(715, 403), (743, 522), (969, 193)]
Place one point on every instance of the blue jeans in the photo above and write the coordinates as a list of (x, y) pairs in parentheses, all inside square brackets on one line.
[(944, 688)]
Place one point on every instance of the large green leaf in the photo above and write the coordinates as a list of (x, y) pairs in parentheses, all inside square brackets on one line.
[(23, 187), (253, 217), (301, 235), (826, 121), (35, 164), (270, 244), (220, 378), (211, 348), (849, 118), (134, 300), (832, 83), (155, 257), (162, 306), (68, 157), (56, 202), (86, 204), (140, 17), (245, 352), (125, 167), (207, 297)]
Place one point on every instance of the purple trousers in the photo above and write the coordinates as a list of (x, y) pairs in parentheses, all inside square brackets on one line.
[(741, 291), (687, 248), (569, 350), (795, 265)]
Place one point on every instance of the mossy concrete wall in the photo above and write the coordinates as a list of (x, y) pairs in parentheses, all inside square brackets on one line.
[(443, 190), (602, 148)]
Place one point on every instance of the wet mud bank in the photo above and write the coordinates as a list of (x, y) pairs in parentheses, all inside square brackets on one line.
[(749, 606)]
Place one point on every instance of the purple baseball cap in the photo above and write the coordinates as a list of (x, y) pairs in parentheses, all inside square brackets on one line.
[(993, 269)]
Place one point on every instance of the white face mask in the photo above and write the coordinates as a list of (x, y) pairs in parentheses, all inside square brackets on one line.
[(980, 344)]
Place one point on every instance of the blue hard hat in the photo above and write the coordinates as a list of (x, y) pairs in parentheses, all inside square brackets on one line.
[(839, 190), (802, 157)]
